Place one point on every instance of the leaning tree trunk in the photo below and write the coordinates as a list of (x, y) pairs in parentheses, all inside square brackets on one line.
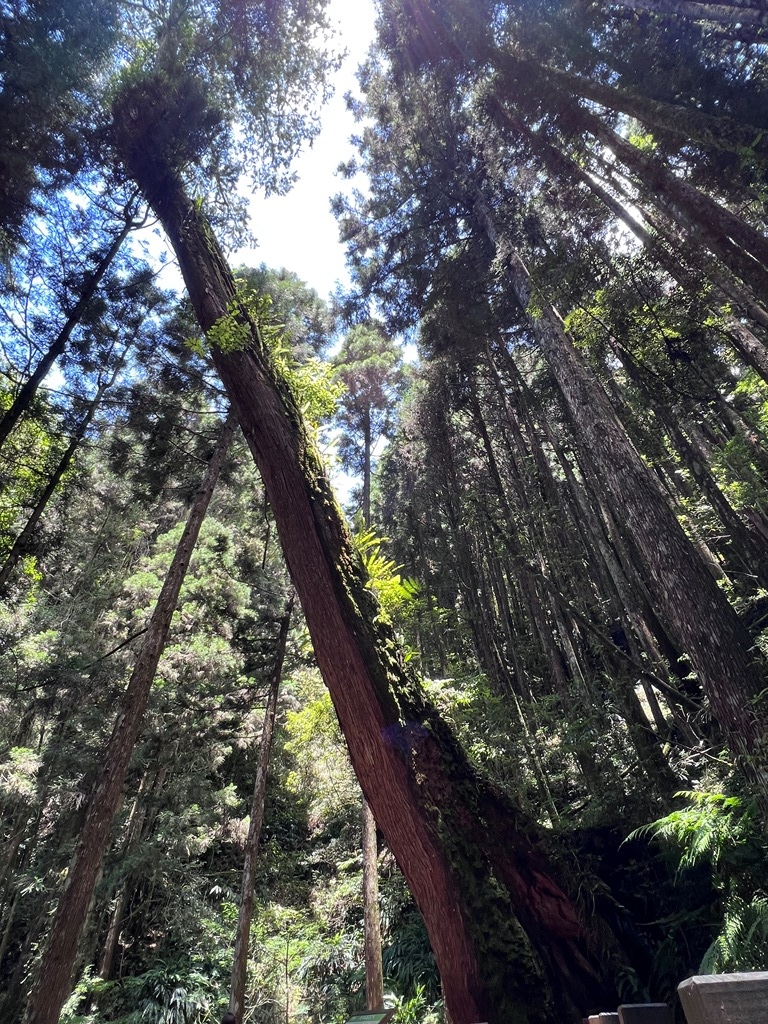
[(424, 794), (29, 389), (752, 21), (737, 243), (688, 123), (687, 597), (23, 541), (245, 913), (53, 979), (658, 243)]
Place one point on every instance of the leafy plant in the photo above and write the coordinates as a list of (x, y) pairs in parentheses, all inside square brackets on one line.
[(418, 1010), (394, 591), (722, 832)]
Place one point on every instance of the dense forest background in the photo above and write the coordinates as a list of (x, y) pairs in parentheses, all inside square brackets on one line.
[(541, 644)]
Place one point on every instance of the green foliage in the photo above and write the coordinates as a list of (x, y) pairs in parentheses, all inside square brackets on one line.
[(321, 767), (724, 833), (417, 1009), (18, 775), (29, 455), (312, 381), (742, 944), (395, 592), (49, 67), (713, 828)]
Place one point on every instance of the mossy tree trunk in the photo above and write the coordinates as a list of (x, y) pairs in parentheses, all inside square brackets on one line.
[(472, 887)]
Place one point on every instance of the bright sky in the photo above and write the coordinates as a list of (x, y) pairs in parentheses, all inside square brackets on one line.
[(298, 231)]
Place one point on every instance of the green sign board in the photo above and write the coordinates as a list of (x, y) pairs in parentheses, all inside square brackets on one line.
[(372, 1017)]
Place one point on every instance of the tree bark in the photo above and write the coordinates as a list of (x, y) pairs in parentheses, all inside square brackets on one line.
[(659, 245), (751, 549), (689, 123), (245, 913), (52, 985), (422, 790), (728, 236), (374, 966), (374, 971), (729, 15)]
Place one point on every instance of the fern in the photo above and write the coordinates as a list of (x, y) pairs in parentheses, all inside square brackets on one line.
[(712, 824), (394, 591), (742, 944), (312, 383), (721, 831)]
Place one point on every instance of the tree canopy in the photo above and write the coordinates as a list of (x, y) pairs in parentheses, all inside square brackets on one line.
[(540, 648)]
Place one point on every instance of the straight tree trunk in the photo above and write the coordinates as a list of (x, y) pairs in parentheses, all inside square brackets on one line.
[(740, 246), (423, 792), (729, 237), (374, 971), (53, 982), (687, 597), (726, 14), (374, 967), (133, 834), (749, 548), (245, 913), (689, 123)]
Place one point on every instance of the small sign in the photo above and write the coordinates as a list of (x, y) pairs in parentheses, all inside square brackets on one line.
[(372, 1017)]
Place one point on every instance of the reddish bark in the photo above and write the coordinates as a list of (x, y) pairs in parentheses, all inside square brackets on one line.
[(423, 793)]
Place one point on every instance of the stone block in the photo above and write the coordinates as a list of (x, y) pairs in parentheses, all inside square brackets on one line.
[(725, 998)]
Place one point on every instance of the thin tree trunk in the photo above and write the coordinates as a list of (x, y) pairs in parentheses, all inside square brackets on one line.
[(374, 972), (691, 124), (729, 15), (374, 966), (750, 548), (708, 628), (749, 347), (10, 916), (245, 913), (370, 848), (21, 544), (113, 932), (134, 831), (28, 390), (54, 974)]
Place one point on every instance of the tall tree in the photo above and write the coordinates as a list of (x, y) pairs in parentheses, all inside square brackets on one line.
[(357, 657), (53, 980), (368, 364), (471, 194), (245, 912)]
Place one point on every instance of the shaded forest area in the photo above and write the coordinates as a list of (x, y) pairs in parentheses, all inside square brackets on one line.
[(518, 685)]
